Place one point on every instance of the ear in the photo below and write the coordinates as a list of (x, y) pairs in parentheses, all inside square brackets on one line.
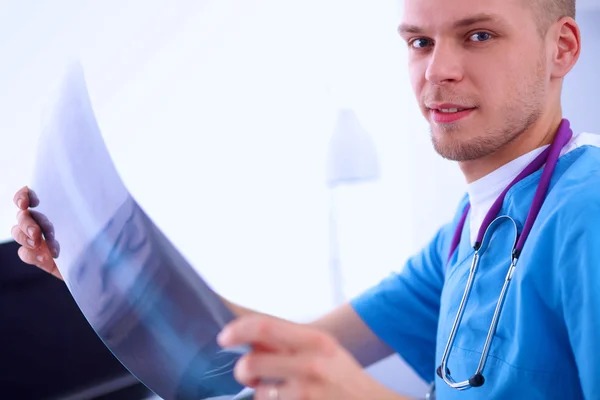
[(566, 47)]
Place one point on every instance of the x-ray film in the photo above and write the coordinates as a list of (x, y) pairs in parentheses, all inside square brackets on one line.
[(147, 304)]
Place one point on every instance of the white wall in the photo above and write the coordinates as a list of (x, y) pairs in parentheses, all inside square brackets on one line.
[(582, 86), (218, 116), (230, 110)]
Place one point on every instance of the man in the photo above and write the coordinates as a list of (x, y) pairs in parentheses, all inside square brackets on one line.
[(488, 77)]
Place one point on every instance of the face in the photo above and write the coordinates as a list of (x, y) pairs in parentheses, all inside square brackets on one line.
[(479, 71)]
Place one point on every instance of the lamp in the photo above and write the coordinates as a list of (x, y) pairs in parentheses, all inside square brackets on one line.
[(352, 159)]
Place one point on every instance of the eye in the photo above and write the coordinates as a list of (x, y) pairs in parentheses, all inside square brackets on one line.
[(420, 43), (481, 37)]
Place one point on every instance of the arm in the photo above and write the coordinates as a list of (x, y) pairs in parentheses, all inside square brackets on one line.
[(400, 314), (304, 360), (578, 248), (345, 326)]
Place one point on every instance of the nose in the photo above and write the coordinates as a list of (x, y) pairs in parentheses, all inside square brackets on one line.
[(444, 65)]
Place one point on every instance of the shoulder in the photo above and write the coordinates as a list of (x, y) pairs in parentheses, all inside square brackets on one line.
[(577, 182), (572, 206)]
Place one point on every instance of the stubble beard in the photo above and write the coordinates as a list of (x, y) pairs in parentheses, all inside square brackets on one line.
[(520, 113)]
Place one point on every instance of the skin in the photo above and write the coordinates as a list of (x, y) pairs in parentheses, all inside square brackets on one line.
[(504, 68)]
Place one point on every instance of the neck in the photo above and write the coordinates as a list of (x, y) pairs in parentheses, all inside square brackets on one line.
[(539, 134)]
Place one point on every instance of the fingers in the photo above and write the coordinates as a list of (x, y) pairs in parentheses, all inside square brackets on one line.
[(28, 225), (44, 223), (48, 230), (33, 224), (20, 237), (259, 367), (40, 258), (293, 390), (276, 334), (25, 198), (33, 227), (34, 201), (21, 198)]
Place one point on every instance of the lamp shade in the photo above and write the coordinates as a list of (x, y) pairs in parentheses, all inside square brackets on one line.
[(352, 154)]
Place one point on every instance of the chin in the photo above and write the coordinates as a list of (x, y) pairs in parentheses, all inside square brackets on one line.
[(459, 146), (452, 134)]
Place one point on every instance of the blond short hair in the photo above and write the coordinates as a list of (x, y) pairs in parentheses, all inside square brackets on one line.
[(550, 11)]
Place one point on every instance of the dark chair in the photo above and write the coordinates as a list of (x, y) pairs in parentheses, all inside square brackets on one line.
[(47, 348)]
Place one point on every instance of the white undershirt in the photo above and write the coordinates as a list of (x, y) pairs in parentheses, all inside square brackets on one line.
[(483, 192)]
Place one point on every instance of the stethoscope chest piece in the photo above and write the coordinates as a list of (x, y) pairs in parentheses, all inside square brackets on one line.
[(548, 160)]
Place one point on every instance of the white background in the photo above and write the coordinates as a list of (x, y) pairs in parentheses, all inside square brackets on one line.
[(218, 115)]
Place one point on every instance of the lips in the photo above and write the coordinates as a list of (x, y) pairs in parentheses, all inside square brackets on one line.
[(451, 110), (445, 113)]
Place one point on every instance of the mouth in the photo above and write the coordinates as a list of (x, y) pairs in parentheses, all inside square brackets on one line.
[(449, 110), (449, 113)]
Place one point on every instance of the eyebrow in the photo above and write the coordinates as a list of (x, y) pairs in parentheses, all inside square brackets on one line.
[(462, 23)]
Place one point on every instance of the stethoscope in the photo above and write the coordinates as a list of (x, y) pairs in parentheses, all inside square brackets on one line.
[(490, 223)]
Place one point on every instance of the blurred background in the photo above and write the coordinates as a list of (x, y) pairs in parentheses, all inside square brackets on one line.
[(277, 144)]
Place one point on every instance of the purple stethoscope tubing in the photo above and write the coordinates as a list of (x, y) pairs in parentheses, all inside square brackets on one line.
[(549, 157)]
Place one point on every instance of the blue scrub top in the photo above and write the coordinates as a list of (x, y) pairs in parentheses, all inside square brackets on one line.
[(547, 344)]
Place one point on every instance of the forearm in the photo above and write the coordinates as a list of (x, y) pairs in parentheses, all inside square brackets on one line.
[(354, 335), (384, 393), (345, 326), (387, 394), (367, 387), (351, 333)]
